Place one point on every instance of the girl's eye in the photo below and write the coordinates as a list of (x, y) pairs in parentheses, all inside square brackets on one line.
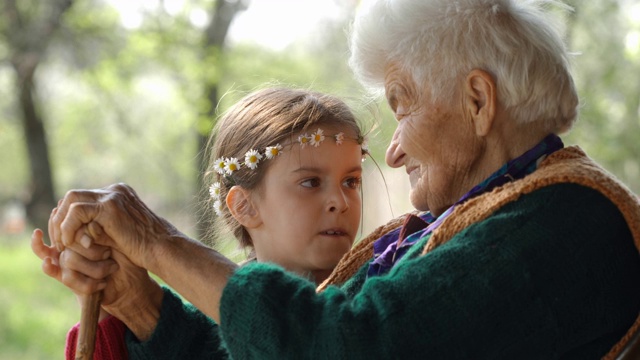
[(353, 183), (310, 183)]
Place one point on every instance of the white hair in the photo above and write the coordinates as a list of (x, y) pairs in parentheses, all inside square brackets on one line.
[(520, 43)]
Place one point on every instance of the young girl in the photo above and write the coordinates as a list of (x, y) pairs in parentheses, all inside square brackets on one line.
[(285, 178)]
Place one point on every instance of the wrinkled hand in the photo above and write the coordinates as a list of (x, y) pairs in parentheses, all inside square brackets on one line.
[(130, 226), (128, 289), (95, 264), (195, 271)]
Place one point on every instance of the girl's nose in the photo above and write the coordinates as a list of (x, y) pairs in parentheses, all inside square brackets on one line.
[(337, 201)]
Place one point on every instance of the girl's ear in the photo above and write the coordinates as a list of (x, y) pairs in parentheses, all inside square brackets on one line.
[(242, 208)]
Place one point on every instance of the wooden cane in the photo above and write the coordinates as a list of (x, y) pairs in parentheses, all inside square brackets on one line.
[(89, 317), (88, 326)]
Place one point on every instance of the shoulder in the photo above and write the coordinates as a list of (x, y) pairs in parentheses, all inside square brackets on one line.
[(567, 189), (567, 200), (556, 223), (560, 208)]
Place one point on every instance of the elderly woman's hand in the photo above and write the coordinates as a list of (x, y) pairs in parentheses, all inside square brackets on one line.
[(131, 227), (128, 292), (194, 270)]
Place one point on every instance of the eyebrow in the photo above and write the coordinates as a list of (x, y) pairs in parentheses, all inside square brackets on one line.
[(316, 169)]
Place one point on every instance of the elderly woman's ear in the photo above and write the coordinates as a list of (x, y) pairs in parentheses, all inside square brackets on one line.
[(480, 100)]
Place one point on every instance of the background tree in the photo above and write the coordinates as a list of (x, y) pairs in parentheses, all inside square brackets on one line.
[(27, 29), (215, 35), (124, 89)]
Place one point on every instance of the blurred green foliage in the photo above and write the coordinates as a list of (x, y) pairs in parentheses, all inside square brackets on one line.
[(125, 104), (36, 313), (606, 36)]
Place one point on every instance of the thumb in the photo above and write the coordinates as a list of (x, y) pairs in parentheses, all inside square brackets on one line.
[(78, 215), (98, 234)]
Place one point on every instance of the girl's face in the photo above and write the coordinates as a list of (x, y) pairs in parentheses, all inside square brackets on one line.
[(309, 206)]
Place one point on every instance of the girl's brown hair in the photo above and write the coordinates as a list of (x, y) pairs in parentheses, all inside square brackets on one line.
[(265, 118)]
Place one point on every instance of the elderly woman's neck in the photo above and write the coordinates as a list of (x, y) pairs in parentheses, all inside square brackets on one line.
[(509, 140)]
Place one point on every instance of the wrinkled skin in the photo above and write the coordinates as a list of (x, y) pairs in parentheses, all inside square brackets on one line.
[(128, 290), (129, 227)]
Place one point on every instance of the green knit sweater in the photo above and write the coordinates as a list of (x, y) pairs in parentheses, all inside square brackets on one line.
[(183, 332), (552, 275)]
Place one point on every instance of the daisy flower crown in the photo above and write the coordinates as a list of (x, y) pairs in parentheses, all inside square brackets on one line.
[(226, 166)]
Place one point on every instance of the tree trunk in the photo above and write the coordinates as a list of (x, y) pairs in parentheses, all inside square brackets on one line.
[(214, 38), (42, 199), (28, 37)]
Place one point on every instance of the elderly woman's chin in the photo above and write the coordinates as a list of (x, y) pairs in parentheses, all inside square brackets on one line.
[(422, 199), (418, 199), (418, 193)]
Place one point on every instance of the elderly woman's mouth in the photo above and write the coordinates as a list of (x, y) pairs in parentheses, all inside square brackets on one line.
[(411, 169)]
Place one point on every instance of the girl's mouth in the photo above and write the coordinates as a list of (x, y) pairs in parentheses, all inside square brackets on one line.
[(334, 232)]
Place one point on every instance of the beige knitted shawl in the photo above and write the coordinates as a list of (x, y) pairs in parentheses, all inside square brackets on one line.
[(569, 165)]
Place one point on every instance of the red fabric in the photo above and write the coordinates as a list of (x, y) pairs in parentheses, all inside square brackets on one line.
[(110, 343)]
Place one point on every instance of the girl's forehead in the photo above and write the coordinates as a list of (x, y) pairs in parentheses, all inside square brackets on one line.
[(347, 155), (322, 134)]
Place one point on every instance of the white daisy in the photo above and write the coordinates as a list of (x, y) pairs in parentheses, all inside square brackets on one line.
[(219, 166), (303, 140), (217, 207), (272, 151), (214, 190), (317, 138), (231, 165), (339, 138), (252, 158)]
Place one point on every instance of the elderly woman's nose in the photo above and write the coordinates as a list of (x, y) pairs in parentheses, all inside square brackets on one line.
[(395, 155)]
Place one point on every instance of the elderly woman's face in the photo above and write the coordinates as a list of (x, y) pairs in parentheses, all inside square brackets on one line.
[(436, 143)]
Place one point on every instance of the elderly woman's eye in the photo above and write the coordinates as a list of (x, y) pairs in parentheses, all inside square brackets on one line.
[(400, 112)]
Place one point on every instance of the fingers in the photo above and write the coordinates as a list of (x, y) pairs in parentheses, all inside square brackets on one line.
[(78, 214), (96, 269), (50, 227), (96, 232), (82, 275), (59, 214), (51, 268), (48, 254), (40, 248), (84, 245), (81, 284), (122, 220)]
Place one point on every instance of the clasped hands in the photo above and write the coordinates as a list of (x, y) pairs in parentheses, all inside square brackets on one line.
[(102, 240)]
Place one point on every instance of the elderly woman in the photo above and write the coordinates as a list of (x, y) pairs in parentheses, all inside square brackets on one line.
[(520, 248)]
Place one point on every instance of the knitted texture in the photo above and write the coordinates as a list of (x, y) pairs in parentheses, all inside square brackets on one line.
[(520, 285), (167, 343), (359, 255), (569, 165)]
